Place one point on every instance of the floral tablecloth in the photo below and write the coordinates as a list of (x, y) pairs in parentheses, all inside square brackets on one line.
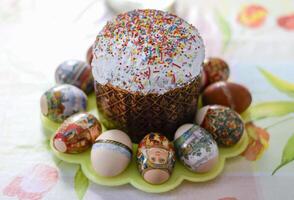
[(255, 37)]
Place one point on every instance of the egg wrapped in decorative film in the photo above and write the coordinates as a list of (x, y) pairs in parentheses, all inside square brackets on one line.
[(77, 73), (216, 69), (155, 158), (77, 133), (224, 124), (62, 101), (196, 148), (111, 153)]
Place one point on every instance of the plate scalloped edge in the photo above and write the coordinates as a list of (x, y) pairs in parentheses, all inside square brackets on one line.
[(131, 174)]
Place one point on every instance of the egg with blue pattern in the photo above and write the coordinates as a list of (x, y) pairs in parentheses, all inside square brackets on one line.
[(77, 73), (196, 148), (62, 101), (111, 153)]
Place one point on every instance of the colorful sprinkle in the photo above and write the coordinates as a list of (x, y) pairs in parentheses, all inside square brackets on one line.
[(137, 49)]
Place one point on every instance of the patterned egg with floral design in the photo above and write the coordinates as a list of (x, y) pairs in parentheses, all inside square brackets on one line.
[(62, 101), (196, 148), (77, 133), (77, 73), (155, 158), (215, 69), (225, 125)]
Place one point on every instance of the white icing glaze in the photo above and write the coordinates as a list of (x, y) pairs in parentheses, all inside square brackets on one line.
[(147, 51)]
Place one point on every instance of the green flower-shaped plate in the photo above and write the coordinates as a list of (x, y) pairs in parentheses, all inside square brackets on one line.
[(131, 174)]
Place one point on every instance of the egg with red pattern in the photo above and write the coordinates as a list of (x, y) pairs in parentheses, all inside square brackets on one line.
[(77, 133), (216, 69)]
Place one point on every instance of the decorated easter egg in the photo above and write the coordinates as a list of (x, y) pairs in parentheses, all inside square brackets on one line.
[(196, 148), (228, 94), (111, 153), (216, 69), (77, 133), (155, 158), (89, 55), (223, 123), (76, 73), (203, 81), (61, 101)]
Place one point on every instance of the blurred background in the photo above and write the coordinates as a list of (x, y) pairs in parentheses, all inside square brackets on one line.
[(41, 34), (37, 35)]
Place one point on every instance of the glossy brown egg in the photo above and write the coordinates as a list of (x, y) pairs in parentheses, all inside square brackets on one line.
[(216, 70), (228, 94)]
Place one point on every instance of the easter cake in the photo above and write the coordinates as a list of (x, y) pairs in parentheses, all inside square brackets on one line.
[(147, 69)]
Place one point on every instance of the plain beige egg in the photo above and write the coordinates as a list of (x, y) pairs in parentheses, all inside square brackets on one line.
[(111, 153), (156, 176)]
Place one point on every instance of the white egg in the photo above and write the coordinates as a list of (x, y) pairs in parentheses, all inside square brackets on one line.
[(196, 148), (111, 153)]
